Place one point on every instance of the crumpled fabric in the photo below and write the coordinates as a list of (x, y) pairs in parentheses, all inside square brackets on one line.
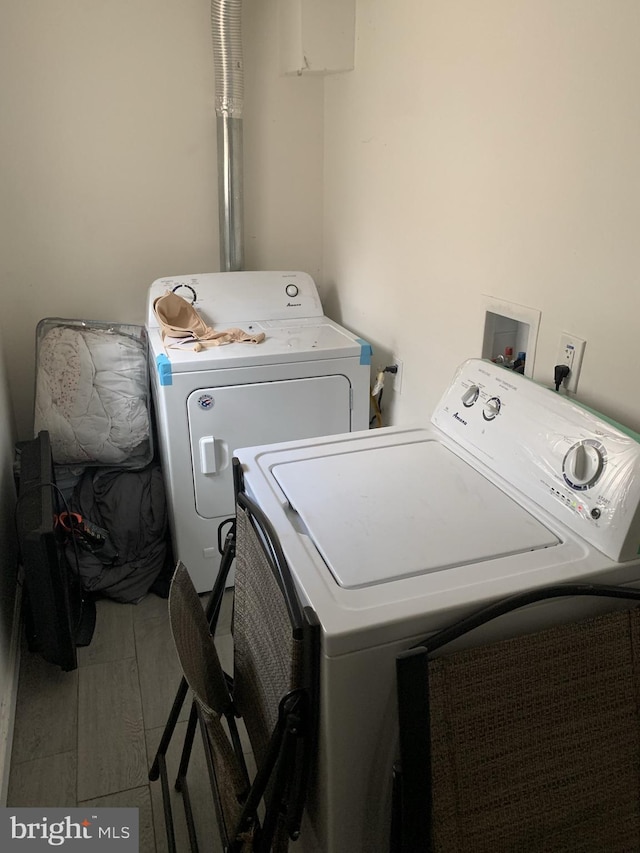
[(179, 319), (131, 507), (91, 396)]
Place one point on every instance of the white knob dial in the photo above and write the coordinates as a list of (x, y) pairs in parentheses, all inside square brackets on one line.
[(470, 395), (292, 290), (583, 464), (491, 408)]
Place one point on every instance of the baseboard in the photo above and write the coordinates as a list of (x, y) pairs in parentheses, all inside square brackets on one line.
[(10, 694)]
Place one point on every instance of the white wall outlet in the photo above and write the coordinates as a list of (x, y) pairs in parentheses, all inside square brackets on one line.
[(397, 376), (571, 353)]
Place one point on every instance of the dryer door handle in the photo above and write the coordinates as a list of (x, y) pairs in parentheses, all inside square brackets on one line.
[(214, 454), (207, 445)]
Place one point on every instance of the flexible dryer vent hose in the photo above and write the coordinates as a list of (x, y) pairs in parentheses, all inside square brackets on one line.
[(229, 100), (226, 31)]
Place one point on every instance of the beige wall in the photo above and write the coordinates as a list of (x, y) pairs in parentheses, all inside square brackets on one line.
[(488, 148), (107, 145), (477, 148), (108, 181)]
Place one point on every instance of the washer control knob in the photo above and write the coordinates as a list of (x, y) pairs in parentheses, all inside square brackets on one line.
[(470, 395), (292, 290), (491, 408), (583, 464)]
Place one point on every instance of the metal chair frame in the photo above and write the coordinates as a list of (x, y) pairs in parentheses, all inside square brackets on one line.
[(158, 768), (282, 779), (411, 818), (293, 741)]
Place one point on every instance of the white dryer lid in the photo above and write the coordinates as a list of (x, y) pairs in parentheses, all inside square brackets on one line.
[(386, 513)]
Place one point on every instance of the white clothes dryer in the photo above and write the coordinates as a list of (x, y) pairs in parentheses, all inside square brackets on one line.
[(309, 377), (396, 533)]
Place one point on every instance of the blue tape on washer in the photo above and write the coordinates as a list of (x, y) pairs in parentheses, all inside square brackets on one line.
[(366, 351), (164, 370)]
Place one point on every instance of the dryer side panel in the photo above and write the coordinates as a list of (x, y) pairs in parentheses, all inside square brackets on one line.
[(226, 418)]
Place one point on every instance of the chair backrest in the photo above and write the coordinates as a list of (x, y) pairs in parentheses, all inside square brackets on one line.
[(195, 645), (202, 669), (530, 743), (276, 659)]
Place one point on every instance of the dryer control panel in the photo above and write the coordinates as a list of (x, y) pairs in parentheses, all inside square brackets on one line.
[(231, 297), (572, 461)]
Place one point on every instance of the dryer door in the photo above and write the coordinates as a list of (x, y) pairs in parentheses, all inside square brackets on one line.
[(232, 416)]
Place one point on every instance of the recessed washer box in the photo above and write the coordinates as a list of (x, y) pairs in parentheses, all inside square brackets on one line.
[(507, 324)]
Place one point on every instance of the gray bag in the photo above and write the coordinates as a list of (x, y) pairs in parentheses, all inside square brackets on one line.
[(130, 507)]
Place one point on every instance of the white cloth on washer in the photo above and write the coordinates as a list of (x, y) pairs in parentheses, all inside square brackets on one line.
[(91, 395)]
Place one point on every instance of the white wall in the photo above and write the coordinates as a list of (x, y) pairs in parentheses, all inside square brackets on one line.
[(108, 181), (476, 148), (107, 145), (488, 148)]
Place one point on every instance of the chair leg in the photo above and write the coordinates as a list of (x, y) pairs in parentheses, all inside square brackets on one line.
[(279, 744), (187, 746), (237, 747), (188, 813), (215, 599), (212, 613), (273, 814), (169, 729), (166, 804)]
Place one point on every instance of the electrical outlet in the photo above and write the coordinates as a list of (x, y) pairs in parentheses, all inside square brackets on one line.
[(571, 353), (397, 376)]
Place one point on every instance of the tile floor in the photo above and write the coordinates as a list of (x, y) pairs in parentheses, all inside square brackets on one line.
[(88, 737)]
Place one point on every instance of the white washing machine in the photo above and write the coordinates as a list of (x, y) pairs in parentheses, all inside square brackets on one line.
[(396, 533), (309, 377)]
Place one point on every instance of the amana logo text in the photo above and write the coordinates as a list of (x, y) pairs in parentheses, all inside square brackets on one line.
[(458, 418)]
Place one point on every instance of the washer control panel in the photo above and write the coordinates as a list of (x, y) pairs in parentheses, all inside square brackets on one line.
[(572, 462)]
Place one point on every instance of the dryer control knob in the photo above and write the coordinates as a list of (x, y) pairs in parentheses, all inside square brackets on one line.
[(292, 290)]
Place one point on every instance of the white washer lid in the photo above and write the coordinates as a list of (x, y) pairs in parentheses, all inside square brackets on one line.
[(386, 513)]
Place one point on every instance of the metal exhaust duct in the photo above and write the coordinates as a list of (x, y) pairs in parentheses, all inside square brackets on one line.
[(229, 101)]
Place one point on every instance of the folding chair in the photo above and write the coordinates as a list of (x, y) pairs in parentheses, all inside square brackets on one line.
[(213, 704), (276, 674), (531, 743), (274, 688), (158, 770)]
